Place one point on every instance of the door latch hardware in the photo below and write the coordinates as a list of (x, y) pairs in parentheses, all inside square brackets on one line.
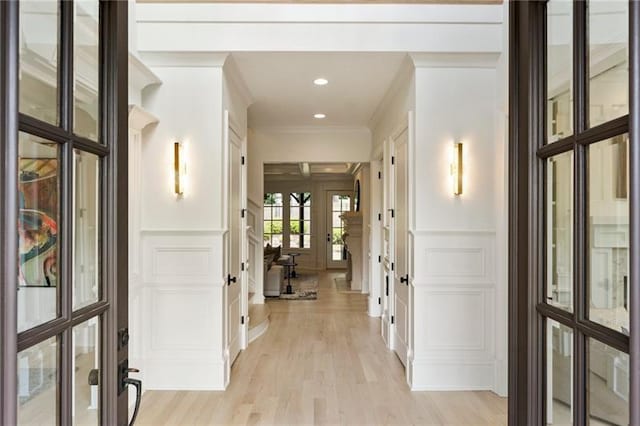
[(124, 380), (231, 279), (123, 337)]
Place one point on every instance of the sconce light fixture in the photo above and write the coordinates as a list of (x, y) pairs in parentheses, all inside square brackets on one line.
[(456, 168), (179, 168)]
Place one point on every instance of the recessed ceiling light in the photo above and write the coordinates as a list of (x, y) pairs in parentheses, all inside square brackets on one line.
[(319, 115), (320, 81)]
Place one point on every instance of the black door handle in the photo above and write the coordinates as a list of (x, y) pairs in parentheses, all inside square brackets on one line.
[(405, 279), (138, 385), (231, 279)]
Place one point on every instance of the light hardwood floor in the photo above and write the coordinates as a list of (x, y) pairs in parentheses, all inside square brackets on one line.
[(321, 362)]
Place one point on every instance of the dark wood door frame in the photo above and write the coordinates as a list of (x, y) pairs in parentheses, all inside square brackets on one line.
[(113, 304), (8, 209), (527, 68)]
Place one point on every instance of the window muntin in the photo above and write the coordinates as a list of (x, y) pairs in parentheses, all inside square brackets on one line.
[(300, 220), (273, 219)]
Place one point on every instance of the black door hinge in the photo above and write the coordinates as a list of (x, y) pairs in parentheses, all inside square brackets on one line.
[(393, 160), (242, 266), (393, 320), (379, 175), (379, 301), (379, 259), (380, 216), (242, 320), (386, 286), (393, 213), (242, 213), (242, 160), (393, 266)]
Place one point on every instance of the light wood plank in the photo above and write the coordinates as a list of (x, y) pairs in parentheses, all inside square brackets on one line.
[(321, 362)]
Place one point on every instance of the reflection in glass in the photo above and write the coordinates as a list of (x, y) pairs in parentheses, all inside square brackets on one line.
[(559, 69), (86, 57), (608, 233), (86, 365), (560, 230), (86, 267), (559, 395), (38, 231), (38, 384), (608, 60), (39, 47), (607, 385)]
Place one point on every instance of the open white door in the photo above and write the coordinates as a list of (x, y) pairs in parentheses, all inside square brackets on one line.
[(400, 269), (233, 289)]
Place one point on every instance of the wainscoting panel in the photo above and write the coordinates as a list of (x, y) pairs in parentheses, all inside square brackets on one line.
[(178, 332), (454, 292)]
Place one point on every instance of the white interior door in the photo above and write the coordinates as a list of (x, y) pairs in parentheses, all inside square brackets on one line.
[(338, 202), (401, 265), (234, 243)]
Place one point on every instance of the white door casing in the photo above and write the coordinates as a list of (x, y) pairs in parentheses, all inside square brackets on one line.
[(387, 246), (400, 270)]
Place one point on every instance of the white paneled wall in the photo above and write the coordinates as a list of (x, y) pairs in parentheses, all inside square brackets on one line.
[(256, 263), (455, 285), (180, 299)]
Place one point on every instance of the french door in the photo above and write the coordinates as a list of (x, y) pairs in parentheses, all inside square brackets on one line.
[(338, 202), (574, 213), (63, 184)]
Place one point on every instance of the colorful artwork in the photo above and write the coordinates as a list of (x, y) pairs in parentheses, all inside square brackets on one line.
[(38, 227)]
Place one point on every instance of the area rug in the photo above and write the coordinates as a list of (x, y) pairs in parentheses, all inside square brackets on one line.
[(343, 286), (304, 287)]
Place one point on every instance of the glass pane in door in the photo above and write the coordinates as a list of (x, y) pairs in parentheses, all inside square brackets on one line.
[(39, 53), (339, 205), (86, 57), (559, 69), (559, 395), (86, 266), (608, 60), (608, 385), (38, 384), (38, 219), (86, 367), (608, 233), (560, 231)]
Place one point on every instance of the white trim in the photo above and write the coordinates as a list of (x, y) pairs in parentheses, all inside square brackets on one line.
[(184, 59), (456, 60), (259, 330)]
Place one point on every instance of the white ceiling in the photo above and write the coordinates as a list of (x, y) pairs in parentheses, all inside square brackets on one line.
[(284, 94)]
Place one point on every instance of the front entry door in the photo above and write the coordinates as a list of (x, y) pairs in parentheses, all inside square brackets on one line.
[(400, 266), (338, 202), (234, 244), (63, 191)]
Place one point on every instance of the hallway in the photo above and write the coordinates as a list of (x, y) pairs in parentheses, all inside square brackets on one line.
[(320, 362)]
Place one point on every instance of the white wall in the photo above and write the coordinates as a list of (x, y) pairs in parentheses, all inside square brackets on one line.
[(180, 308), (455, 277)]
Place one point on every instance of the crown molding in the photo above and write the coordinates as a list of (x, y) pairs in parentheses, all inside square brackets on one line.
[(232, 72), (310, 129), (185, 59)]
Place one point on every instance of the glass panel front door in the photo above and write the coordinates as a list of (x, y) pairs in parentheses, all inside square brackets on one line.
[(338, 203)]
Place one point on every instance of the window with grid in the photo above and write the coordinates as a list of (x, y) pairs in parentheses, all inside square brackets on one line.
[(300, 220), (273, 219), (584, 162)]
